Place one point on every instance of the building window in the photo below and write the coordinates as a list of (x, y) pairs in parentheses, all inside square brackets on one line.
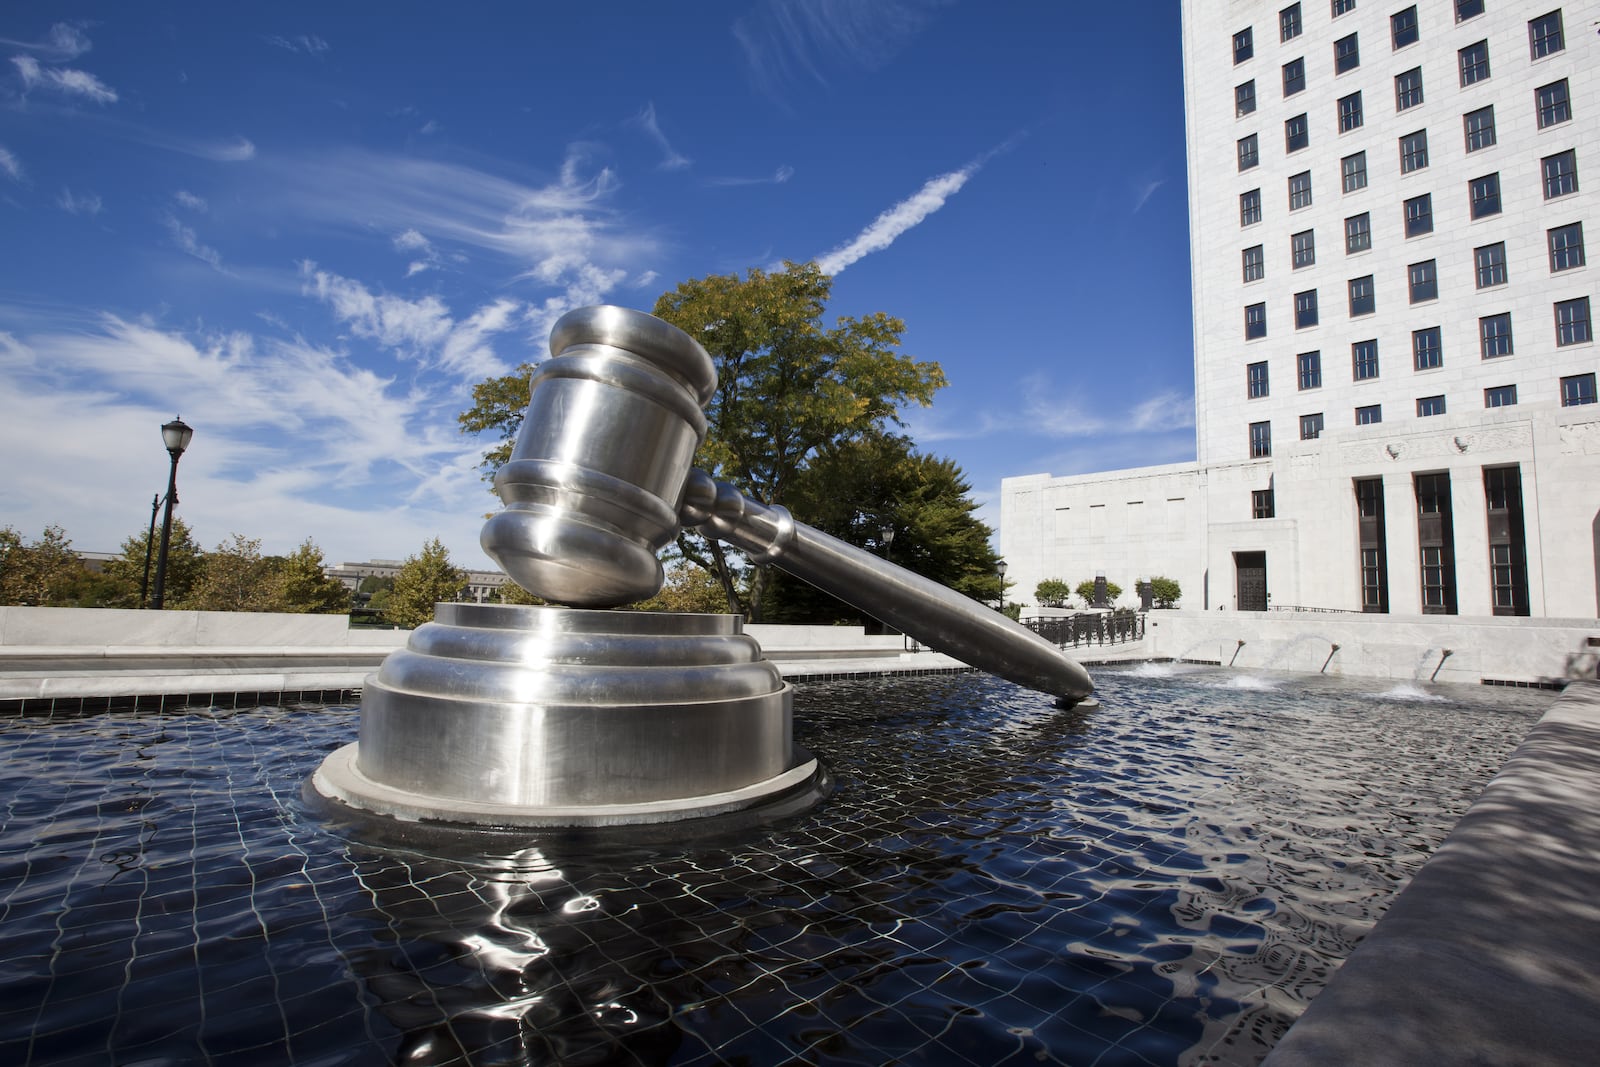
[(1413, 151), (1260, 440), (1256, 379), (1576, 390), (1310, 427), (1419, 215), (1243, 46), (1349, 112), (1370, 415), (1255, 321), (1362, 300), (1309, 367), (1500, 396), (1490, 261), (1346, 54), (1429, 405), (1250, 207), (1303, 248), (1305, 309), (1354, 170), (1566, 247), (1545, 36), (1485, 195), (1364, 360), (1357, 233), (1480, 128), (1294, 77), (1554, 104), (1426, 350), (1244, 98), (1466, 9), (1494, 335), (1300, 190), (1249, 155), (1424, 281), (1255, 264), (1572, 322), (1289, 23), (1261, 503), (1403, 27), (1474, 62), (1341, 6), (1296, 134), (1408, 89), (1374, 567), (1560, 174)]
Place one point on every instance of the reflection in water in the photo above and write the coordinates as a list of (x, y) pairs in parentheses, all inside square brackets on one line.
[(1165, 880)]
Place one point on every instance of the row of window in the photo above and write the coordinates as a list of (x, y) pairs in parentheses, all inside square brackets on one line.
[(1564, 244), (1572, 321), (1553, 105), (1558, 174), (1546, 34), (1576, 389)]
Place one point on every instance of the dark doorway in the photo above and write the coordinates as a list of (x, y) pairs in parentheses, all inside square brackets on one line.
[(1251, 568)]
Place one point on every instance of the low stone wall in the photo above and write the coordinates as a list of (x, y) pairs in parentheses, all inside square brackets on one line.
[(1488, 956), (1411, 648)]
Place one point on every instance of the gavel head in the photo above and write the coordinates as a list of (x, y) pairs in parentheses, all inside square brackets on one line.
[(592, 489)]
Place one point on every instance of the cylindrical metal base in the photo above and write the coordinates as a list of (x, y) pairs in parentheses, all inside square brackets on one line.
[(502, 715)]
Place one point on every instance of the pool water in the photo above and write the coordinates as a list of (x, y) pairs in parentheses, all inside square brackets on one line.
[(1167, 879)]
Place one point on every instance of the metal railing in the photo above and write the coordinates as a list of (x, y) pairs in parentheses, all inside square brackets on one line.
[(1090, 628)]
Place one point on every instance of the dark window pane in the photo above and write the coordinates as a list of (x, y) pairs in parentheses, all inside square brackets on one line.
[(1289, 22), (1357, 233), (1249, 155), (1424, 281), (1485, 196), (1296, 134), (1566, 247), (1305, 309), (1367, 416), (1578, 389), (1346, 54), (1560, 174), (1363, 301), (1294, 77), (1354, 170), (1419, 215), (1413, 151), (1426, 350), (1490, 263), (1408, 89), (1243, 46), (1429, 405), (1244, 98), (1500, 396), (1545, 36), (1474, 61), (1494, 335), (1250, 207), (1572, 322), (1364, 360), (1349, 112), (1255, 321), (1480, 128), (1308, 366), (1554, 105), (1403, 27)]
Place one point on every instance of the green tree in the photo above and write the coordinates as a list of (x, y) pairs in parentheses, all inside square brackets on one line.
[(687, 588), (857, 488), (423, 581), (305, 588), (237, 577), (1085, 591), (1052, 593), (185, 561), (45, 573), (1165, 592)]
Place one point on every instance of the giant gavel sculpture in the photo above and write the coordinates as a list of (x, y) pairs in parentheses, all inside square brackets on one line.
[(499, 715)]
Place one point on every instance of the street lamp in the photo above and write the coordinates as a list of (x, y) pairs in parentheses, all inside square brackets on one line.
[(888, 540), (175, 435), (149, 551), (1000, 569)]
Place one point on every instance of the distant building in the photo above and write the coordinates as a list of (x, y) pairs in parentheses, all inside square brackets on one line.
[(481, 587), (1390, 207)]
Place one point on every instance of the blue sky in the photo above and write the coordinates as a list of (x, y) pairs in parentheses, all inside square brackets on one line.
[(309, 233)]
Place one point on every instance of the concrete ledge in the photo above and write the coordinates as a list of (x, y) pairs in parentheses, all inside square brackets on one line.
[(1488, 956)]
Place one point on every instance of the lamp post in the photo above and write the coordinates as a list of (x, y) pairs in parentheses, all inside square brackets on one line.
[(888, 539), (149, 551), (175, 435), (1000, 569)]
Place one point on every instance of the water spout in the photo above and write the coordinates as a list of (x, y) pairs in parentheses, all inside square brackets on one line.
[(1444, 654), (1236, 649), (1328, 660)]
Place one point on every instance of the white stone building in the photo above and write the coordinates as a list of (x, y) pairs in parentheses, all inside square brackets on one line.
[(1393, 228)]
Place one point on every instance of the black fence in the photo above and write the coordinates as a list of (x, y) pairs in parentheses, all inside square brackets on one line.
[(1090, 628)]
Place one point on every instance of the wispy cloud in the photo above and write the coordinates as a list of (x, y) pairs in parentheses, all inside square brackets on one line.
[(413, 243), (671, 158), (63, 42), (305, 44), (236, 150), (777, 177), (65, 80), (79, 203), (790, 41), (187, 199), (186, 240), (10, 166), (1164, 411), (1143, 191)]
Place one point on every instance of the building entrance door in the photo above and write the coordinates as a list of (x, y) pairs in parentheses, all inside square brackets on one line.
[(1250, 569)]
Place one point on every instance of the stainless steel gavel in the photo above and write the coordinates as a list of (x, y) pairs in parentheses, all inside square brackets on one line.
[(601, 478)]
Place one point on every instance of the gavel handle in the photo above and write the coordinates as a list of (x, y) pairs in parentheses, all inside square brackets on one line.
[(933, 614)]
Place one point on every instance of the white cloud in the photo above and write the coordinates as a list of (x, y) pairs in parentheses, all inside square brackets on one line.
[(778, 177), (186, 239), (671, 158), (63, 42), (1143, 193), (79, 203), (1165, 411), (9, 164), (190, 201), (897, 220), (412, 241), (235, 151), (788, 41), (63, 80), (306, 43)]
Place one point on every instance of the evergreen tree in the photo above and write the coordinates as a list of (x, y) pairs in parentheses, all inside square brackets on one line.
[(424, 580), (185, 561), (305, 588)]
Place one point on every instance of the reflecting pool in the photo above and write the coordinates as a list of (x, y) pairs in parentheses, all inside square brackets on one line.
[(1167, 879)]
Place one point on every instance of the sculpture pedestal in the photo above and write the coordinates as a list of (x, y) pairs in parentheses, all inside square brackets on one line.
[(498, 715)]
